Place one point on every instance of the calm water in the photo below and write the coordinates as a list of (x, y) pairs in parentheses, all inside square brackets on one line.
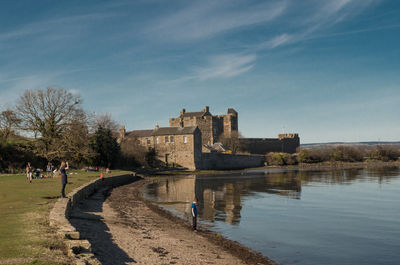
[(331, 217)]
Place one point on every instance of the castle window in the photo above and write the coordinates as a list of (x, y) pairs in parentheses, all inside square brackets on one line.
[(148, 141), (172, 139), (184, 139), (157, 141), (166, 139)]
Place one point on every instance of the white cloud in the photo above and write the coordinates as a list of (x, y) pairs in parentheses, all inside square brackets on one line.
[(323, 15), (55, 28), (277, 41), (74, 91), (17, 86), (207, 18), (224, 66)]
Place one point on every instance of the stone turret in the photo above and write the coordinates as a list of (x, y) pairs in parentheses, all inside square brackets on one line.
[(232, 112)]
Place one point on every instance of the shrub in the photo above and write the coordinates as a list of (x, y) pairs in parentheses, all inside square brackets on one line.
[(14, 156), (346, 154), (313, 155), (384, 153), (280, 159)]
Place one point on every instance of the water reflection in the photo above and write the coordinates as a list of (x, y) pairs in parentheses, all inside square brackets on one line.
[(221, 196)]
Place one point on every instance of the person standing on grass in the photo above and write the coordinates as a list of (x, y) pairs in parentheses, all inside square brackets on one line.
[(64, 180), (193, 213), (29, 171), (48, 170)]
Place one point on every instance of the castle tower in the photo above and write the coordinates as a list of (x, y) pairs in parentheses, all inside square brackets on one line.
[(231, 123), (122, 133)]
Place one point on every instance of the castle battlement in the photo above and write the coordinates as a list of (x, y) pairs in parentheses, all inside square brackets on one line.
[(288, 135)]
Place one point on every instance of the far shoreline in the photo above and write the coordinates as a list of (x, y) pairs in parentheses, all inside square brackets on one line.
[(271, 169)]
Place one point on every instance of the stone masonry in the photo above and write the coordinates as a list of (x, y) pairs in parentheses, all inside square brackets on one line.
[(187, 140), (211, 126)]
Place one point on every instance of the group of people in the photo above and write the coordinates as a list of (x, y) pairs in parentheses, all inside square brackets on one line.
[(63, 172), (64, 181), (30, 171)]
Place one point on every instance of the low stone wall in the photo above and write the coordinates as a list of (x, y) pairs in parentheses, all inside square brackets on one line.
[(230, 161), (59, 216)]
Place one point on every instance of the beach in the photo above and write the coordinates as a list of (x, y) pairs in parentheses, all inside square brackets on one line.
[(123, 228)]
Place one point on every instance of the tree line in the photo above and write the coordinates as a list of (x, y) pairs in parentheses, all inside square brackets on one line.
[(50, 125), (384, 153)]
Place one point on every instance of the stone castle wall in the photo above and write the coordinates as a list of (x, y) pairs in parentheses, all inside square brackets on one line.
[(285, 143), (220, 161), (178, 152), (77, 247)]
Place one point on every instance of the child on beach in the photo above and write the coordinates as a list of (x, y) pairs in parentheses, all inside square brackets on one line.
[(193, 213)]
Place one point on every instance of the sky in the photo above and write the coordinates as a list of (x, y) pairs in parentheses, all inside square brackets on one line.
[(328, 70)]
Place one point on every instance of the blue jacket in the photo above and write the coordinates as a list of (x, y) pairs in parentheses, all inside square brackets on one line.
[(193, 209)]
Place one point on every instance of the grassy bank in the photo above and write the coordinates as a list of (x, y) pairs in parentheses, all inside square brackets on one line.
[(25, 235)]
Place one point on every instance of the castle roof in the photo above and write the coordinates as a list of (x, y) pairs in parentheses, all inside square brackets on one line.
[(140, 133), (193, 114), (174, 130)]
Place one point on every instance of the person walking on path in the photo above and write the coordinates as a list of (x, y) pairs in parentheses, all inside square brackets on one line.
[(64, 180), (29, 171), (193, 213)]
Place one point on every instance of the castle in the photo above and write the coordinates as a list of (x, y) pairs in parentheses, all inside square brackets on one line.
[(211, 126), (189, 141)]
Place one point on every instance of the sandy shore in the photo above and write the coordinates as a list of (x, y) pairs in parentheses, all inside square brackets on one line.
[(125, 229)]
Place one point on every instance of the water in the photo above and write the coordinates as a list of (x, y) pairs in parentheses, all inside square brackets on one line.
[(326, 217)]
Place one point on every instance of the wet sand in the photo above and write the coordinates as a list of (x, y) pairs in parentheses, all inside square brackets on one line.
[(125, 229)]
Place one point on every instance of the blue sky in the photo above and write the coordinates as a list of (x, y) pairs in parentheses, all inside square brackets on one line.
[(329, 70)]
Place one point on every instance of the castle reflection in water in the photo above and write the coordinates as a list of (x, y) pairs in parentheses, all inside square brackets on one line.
[(221, 196)]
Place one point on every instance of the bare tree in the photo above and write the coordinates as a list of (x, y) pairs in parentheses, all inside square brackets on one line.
[(105, 121), (48, 113), (9, 121), (231, 140), (75, 140)]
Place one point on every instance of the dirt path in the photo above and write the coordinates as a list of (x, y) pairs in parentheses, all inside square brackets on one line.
[(124, 229)]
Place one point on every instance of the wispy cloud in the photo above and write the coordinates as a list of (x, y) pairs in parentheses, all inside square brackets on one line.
[(17, 87), (322, 16), (54, 28), (207, 18), (277, 41), (224, 66)]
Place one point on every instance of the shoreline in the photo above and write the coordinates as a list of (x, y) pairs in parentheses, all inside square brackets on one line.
[(267, 169), (242, 253)]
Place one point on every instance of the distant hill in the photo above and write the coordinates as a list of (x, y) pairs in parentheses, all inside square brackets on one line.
[(351, 144)]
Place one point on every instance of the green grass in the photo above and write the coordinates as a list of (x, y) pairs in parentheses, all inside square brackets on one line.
[(25, 235)]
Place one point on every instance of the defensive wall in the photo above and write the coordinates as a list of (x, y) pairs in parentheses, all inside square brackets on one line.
[(286, 143), (220, 161), (77, 247)]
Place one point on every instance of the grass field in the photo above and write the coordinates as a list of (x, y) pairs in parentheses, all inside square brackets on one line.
[(25, 235)]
